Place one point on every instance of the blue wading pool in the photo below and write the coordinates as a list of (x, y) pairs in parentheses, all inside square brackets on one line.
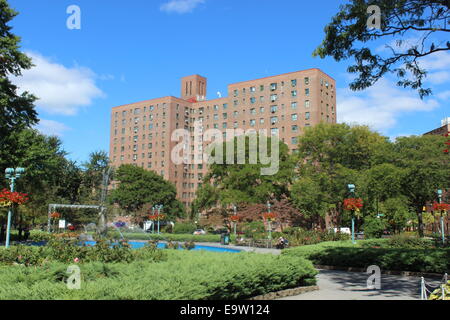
[(138, 244)]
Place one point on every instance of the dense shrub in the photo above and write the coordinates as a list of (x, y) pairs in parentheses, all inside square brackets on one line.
[(404, 241), (187, 275), (374, 227), (254, 229), (182, 227), (300, 237), (23, 255), (344, 254), (399, 241), (70, 251)]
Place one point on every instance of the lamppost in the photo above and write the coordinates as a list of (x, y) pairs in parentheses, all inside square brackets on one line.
[(270, 223), (351, 188), (159, 208), (12, 175), (439, 193), (153, 221), (235, 222)]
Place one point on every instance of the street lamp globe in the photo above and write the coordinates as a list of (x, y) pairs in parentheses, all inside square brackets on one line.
[(9, 172), (351, 188)]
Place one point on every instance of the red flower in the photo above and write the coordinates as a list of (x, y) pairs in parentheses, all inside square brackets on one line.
[(270, 216), (235, 218), (441, 206), (55, 215), (8, 197), (156, 217), (353, 204)]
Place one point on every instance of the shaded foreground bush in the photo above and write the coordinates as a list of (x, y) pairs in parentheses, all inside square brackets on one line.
[(185, 275), (170, 237), (70, 251), (345, 254)]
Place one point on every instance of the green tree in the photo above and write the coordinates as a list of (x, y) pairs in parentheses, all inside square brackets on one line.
[(244, 183), (16, 110), (426, 169), (415, 25), (309, 197), (44, 161), (329, 157), (397, 212), (380, 182), (94, 170), (374, 227), (138, 187)]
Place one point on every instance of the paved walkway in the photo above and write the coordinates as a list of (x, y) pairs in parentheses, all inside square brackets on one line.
[(242, 248), (342, 285)]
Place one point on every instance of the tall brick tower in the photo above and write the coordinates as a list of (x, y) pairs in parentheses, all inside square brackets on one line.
[(193, 88)]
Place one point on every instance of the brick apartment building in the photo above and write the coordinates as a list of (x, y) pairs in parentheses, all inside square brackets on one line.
[(284, 104), (442, 130)]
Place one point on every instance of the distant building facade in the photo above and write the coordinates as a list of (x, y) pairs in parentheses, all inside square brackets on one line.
[(443, 129), (283, 104)]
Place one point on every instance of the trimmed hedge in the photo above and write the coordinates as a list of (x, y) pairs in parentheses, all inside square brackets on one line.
[(185, 276), (345, 254)]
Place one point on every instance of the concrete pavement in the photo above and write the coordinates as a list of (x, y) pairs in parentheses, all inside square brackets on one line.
[(342, 285)]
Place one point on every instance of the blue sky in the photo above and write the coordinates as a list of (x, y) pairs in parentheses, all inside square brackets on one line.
[(127, 51)]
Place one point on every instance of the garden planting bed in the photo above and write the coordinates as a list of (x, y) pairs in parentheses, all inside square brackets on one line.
[(148, 274), (344, 254)]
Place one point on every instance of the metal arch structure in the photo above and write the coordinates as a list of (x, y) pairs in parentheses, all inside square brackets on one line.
[(53, 206), (101, 224)]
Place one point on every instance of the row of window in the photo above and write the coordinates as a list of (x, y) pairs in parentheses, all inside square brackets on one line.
[(273, 97), (273, 109), (273, 87)]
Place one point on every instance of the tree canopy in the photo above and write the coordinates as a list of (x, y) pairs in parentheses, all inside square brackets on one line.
[(395, 179), (16, 110), (239, 183), (412, 29), (138, 187)]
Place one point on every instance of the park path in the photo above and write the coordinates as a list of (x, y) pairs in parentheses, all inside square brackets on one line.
[(342, 285)]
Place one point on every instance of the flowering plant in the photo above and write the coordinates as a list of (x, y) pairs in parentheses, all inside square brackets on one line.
[(7, 198), (269, 216), (154, 217), (353, 204), (120, 224), (235, 218), (55, 215), (441, 207)]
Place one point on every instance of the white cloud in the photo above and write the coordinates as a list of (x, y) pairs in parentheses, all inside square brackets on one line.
[(181, 6), (60, 90), (438, 77), (380, 106), (444, 95), (51, 128), (436, 61)]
